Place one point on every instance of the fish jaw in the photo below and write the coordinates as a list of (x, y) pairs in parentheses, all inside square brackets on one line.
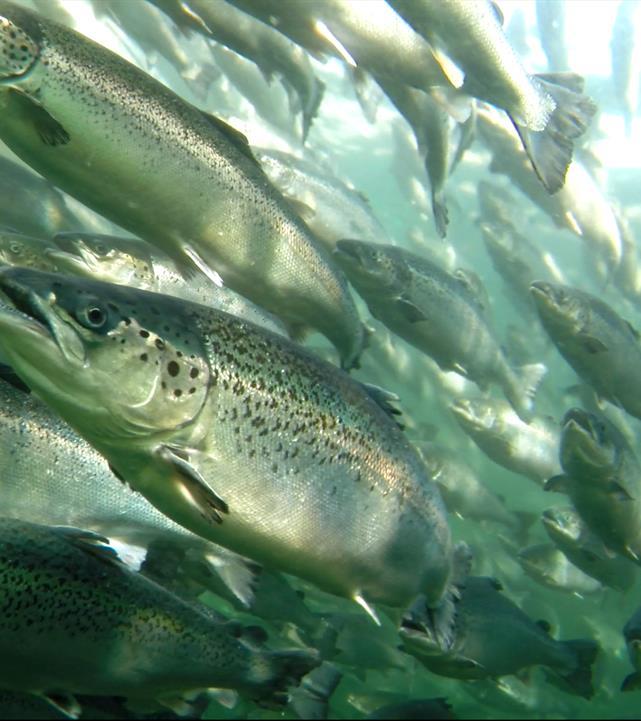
[(579, 444)]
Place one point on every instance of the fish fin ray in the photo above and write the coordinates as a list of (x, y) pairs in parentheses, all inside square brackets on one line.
[(369, 610), (192, 484), (66, 703), (90, 542)]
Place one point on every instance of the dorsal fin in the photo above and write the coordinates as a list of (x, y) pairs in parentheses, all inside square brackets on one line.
[(235, 137)]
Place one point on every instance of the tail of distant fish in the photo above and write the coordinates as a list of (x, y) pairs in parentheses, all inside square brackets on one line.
[(311, 699), (579, 681), (441, 215), (310, 110), (550, 150), (521, 386)]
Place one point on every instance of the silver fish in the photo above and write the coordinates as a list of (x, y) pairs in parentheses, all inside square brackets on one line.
[(550, 567), (207, 202), (238, 435), (442, 314)]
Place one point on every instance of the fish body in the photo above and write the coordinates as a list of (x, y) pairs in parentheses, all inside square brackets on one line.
[(632, 635), (569, 532), (78, 620), (603, 348), (548, 115), (332, 209), (602, 476), (531, 449), (495, 637), (235, 433), (129, 261), (442, 314), (168, 173), (550, 567), (273, 53)]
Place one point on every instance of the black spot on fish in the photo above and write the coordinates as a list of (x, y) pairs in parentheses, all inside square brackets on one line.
[(193, 373), (144, 333), (178, 393), (159, 344), (144, 357), (173, 368)]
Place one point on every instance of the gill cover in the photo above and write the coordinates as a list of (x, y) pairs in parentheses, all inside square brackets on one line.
[(18, 50)]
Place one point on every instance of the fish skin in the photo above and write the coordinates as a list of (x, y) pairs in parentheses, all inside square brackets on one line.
[(601, 346), (531, 449), (25, 251), (546, 111), (442, 314), (479, 651), (586, 550), (602, 477), (152, 146), (77, 619), (129, 261), (48, 474), (337, 211), (273, 53), (332, 491)]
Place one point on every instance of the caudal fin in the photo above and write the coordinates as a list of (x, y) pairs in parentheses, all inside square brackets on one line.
[(579, 681), (311, 699), (441, 215), (550, 150), (522, 388)]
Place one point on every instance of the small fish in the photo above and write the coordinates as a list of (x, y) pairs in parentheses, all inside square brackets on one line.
[(586, 550), (88, 625), (494, 637), (206, 203), (445, 315), (239, 435), (547, 111), (531, 449), (550, 567), (603, 348), (602, 476)]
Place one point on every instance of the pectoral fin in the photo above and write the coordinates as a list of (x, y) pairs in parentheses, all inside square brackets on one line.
[(90, 542), (592, 344), (191, 484), (50, 131), (65, 703), (409, 311)]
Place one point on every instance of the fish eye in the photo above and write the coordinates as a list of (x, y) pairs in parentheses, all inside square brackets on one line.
[(93, 316), (100, 249)]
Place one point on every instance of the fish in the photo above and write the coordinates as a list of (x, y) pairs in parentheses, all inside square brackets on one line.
[(550, 567), (602, 476), (49, 474), (239, 435), (272, 53), (495, 638), (550, 22), (333, 209), (632, 635), (602, 347), (207, 203), (586, 550), (430, 124), (626, 61), (530, 449), (549, 111), (129, 261), (443, 314), (92, 626), (25, 251), (465, 494)]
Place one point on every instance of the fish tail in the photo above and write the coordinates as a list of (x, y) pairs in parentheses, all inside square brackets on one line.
[(579, 681), (310, 111), (550, 149), (441, 215), (272, 673), (522, 385), (311, 699)]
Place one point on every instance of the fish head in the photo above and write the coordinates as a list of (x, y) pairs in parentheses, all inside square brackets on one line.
[(117, 363), (540, 561), (369, 266), (24, 251), (589, 447), (102, 257), (562, 309), (564, 524), (20, 44)]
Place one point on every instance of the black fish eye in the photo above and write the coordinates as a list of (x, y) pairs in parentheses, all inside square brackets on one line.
[(93, 316)]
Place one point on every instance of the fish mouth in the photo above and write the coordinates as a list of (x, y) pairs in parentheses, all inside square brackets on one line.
[(29, 313), (554, 522), (542, 292), (586, 441)]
